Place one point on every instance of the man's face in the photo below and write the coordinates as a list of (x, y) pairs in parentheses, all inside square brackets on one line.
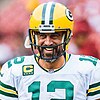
[(50, 39)]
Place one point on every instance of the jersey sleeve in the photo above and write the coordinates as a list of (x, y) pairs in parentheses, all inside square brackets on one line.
[(94, 87), (7, 87)]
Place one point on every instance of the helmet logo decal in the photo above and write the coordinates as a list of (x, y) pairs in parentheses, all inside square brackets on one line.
[(47, 13), (69, 14)]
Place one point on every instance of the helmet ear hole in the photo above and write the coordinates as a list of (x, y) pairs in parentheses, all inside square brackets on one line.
[(31, 37), (66, 39), (67, 36)]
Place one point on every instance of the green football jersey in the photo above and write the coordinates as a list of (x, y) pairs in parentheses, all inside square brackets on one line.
[(22, 78)]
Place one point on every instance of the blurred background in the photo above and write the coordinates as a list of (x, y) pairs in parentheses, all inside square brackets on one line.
[(14, 18)]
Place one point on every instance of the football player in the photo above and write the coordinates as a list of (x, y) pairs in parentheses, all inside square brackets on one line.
[(50, 73)]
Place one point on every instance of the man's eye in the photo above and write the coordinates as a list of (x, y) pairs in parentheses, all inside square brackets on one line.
[(42, 36), (54, 35)]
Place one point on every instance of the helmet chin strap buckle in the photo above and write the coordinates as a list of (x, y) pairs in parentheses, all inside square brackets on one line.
[(46, 29)]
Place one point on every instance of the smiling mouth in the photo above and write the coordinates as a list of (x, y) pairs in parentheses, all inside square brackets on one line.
[(49, 49), (48, 52)]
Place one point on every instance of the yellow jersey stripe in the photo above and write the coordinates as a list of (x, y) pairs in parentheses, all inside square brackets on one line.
[(8, 90)]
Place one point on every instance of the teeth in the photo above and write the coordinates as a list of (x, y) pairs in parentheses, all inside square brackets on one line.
[(49, 48)]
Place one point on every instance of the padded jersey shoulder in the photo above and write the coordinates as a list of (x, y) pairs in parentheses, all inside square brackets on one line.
[(83, 63), (15, 65), (85, 59)]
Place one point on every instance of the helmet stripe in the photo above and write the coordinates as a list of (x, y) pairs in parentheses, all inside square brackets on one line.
[(51, 14), (47, 13), (43, 14)]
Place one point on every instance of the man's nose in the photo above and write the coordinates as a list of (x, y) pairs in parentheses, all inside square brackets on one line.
[(48, 41)]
